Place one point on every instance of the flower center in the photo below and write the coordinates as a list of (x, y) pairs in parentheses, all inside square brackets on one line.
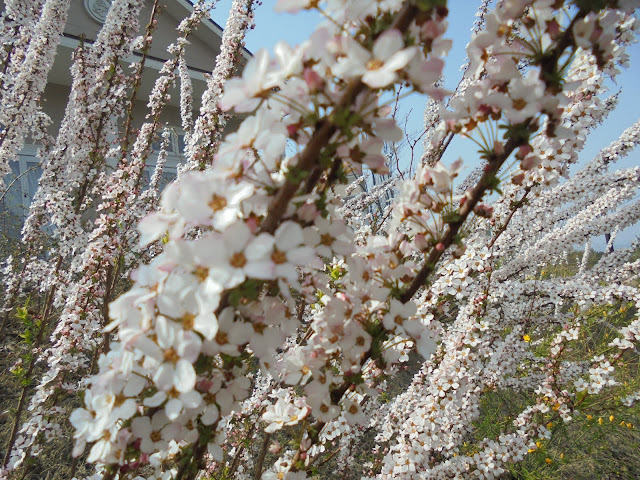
[(221, 338), (155, 436), (188, 319), (201, 273), (119, 400), (519, 103), (217, 203), (170, 355), (278, 257), (375, 64), (238, 260), (326, 239)]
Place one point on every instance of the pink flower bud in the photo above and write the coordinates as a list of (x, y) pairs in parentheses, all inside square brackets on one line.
[(275, 447), (530, 162), (553, 29), (482, 210), (440, 247), (313, 80), (292, 129), (308, 212), (204, 385), (252, 223), (420, 241), (595, 35), (523, 151)]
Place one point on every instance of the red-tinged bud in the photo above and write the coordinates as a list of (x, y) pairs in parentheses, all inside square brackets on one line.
[(303, 455), (314, 81), (252, 223), (440, 247), (204, 385), (275, 448), (498, 147), (523, 151), (553, 29), (420, 242), (463, 200), (308, 212), (484, 111), (484, 211), (518, 179), (292, 129), (532, 161)]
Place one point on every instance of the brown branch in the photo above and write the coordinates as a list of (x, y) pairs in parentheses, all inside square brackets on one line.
[(452, 229), (48, 307), (150, 28), (324, 131), (263, 453)]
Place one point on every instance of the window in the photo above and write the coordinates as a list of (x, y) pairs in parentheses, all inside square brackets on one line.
[(21, 184)]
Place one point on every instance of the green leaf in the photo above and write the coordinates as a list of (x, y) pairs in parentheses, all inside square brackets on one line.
[(248, 290)]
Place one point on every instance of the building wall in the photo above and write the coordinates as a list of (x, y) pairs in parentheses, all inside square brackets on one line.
[(200, 53)]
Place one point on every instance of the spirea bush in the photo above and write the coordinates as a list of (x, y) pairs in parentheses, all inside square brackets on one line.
[(255, 319)]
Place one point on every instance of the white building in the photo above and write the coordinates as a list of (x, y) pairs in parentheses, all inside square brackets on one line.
[(84, 22)]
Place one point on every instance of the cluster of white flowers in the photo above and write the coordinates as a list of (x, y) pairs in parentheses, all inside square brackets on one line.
[(25, 76), (204, 141), (104, 254), (270, 305)]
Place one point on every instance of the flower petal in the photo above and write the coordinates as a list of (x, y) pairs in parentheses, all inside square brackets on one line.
[(185, 376), (207, 325), (173, 408), (191, 399), (387, 44)]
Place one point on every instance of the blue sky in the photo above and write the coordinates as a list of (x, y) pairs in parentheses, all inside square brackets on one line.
[(272, 27)]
